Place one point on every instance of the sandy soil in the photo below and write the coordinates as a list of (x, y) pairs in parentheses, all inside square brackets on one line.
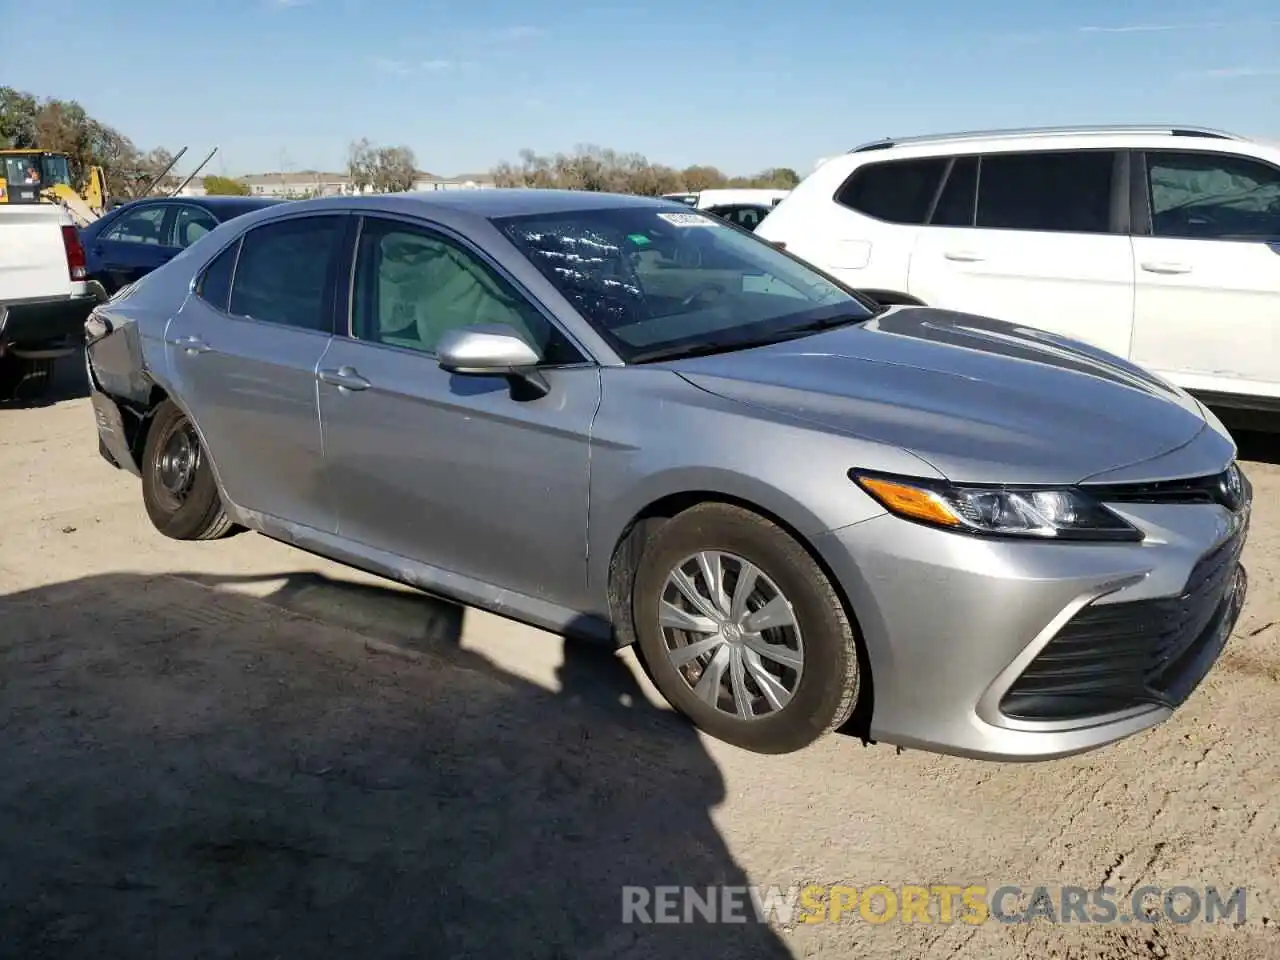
[(238, 750)]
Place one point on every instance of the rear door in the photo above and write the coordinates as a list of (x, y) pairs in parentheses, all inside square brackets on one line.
[(243, 353), (1207, 245), (1038, 238), (134, 245)]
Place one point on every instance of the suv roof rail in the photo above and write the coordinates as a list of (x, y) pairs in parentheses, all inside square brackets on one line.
[(1100, 130)]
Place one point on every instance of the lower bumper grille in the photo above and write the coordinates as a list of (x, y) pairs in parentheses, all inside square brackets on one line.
[(1116, 656)]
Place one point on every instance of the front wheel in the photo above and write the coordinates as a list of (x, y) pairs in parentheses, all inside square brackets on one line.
[(178, 488), (742, 631)]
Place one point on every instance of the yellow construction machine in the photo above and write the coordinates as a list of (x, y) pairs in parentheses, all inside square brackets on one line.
[(42, 176)]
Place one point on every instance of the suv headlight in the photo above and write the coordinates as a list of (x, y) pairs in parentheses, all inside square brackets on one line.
[(1046, 513)]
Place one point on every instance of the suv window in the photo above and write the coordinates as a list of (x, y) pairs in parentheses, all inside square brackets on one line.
[(746, 216), (214, 285), (284, 272), (898, 191), (412, 286), (138, 226), (190, 224), (1066, 191), (959, 193), (1208, 196)]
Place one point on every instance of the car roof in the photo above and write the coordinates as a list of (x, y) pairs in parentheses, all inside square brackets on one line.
[(218, 202), (493, 202)]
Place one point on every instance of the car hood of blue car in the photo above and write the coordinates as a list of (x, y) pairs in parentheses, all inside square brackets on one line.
[(981, 400)]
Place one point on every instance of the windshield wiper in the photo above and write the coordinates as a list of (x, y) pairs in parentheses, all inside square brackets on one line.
[(708, 347)]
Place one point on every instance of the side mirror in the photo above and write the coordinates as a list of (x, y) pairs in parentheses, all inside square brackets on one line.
[(491, 350)]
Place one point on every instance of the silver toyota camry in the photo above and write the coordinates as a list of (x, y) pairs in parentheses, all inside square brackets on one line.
[(619, 418)]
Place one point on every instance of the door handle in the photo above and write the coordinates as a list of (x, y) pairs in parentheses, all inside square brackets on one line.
[(963, 256), (189, 344), (345, 378), (1152, 267)]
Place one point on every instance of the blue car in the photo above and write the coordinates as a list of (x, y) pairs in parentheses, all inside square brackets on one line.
[(133, 239)]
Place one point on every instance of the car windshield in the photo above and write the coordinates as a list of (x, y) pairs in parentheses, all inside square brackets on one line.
[(659, 282)]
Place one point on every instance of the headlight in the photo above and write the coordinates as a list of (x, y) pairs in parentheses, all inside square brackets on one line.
[(1049, 513)]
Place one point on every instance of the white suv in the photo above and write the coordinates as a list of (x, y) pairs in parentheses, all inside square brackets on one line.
[(1159, 244)]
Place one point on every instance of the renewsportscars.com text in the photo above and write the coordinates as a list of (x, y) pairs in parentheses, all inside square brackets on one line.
[(934, 903)]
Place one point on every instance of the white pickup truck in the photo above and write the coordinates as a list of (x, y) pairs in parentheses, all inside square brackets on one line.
[(44, 295)]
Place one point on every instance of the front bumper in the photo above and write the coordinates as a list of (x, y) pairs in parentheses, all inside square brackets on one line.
[(1014, 650)]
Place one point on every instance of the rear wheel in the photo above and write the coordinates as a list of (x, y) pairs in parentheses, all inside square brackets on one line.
[(742, 632), (178, 488)]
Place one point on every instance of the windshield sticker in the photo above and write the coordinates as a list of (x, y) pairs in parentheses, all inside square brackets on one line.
[(639, 239), (687, 220)]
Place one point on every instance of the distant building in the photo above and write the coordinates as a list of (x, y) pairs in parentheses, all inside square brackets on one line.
[(315, 183)]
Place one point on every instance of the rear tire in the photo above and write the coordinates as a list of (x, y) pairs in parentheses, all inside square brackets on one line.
[(796, 665), (178, 488)]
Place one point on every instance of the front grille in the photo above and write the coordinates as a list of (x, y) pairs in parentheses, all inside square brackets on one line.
[(1115, 656)]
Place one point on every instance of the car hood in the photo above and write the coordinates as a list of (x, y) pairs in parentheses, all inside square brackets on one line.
[(981, 400)]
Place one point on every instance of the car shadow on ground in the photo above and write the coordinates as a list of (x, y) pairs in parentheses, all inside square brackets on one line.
[(68, 382), (193, 772)]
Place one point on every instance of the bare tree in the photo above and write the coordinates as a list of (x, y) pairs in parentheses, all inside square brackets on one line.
[(395, 169), (360, 164)]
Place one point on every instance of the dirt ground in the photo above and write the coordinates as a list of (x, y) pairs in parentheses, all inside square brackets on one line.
[(238, 750)]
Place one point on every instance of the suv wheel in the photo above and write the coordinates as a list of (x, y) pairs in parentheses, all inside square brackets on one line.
[(742, 632), (178, 488)]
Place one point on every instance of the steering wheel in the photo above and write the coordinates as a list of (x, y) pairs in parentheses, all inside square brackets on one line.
[(700, 290)]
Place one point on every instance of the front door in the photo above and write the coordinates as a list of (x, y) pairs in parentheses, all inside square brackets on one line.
[(243, 354), (447, 470), (133, 246), (1207, 308)]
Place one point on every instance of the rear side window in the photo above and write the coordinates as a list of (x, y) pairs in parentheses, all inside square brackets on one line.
[(284, 272), (898, 191), (214, 285), (1063, 192)]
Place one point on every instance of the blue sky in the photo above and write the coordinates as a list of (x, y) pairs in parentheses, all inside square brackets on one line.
[(742, 85)]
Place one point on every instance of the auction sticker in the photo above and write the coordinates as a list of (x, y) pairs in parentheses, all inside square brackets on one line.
[(687, 220)]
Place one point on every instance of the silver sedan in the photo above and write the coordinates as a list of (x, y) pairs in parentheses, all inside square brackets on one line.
[(619, 418)]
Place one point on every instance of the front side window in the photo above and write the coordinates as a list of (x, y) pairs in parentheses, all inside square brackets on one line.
[(896, 191), (412, 286), (284, 272), (190, 224), (1207, 196), (139, 226), (656, 283), (1060, 192)]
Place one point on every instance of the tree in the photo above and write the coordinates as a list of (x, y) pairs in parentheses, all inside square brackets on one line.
[(216, 186), (395, 169), (63, 126), (596, 168), (360, 164)]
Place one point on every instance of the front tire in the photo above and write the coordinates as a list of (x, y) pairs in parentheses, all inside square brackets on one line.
[(742, 631), (178, 488)]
